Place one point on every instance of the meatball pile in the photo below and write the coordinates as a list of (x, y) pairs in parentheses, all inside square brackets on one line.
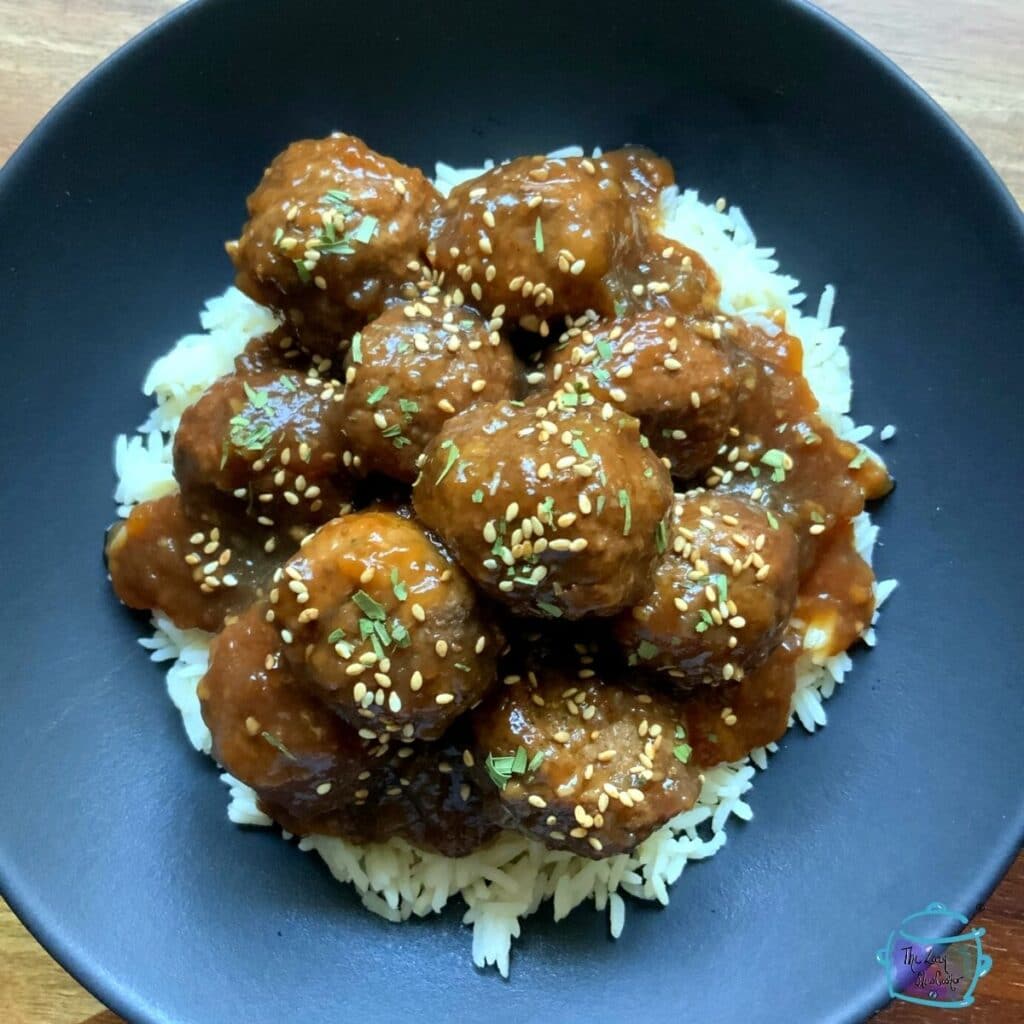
[(504, 526)]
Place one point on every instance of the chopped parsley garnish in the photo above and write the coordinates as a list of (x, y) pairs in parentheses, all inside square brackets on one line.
[(288, 383), (338, 199), (580, 449), (335, 635), (364, 232), (722, 586), (357, 347), (777, 460), (568, 399), (647, 650), (680, 733), (859, 459), (502, 768), (401, 591), (453, 457), (627, 507), (661, 537), (816, 516), (400, 634), (303, 271), (477, 496), (258, 399), (604, 349), (551, 609), (620, 307), (278, 745), (538, 236), (682, 752), (409, 408), (377, 394), (366, 604), (600, 503), (772, 521), (278, 235), (340, 247)]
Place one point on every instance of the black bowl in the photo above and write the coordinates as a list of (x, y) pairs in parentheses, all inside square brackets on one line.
[(115, 847)]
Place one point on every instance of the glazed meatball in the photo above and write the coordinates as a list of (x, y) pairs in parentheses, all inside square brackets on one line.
[(335, 230), (722, 595), (659, 369), (554, 510), (583, 763), (301, 758), (278, 350), (194, 569), (270, 445), (535, 236), (384, 627), (409, 371)]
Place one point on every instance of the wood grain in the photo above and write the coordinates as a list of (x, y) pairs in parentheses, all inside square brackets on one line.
[(968, 56)]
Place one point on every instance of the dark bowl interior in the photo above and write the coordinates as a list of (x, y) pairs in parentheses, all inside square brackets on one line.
[(115, 847)]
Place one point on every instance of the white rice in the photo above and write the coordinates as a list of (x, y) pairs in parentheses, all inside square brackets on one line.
[(510, 878)]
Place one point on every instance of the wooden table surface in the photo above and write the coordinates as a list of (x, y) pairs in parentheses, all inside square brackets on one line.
[(969, 54)]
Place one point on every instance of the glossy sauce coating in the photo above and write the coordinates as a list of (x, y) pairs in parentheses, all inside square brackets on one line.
[(652, 634), (384, 627), (412, 369), (554, 511), (335, 231)]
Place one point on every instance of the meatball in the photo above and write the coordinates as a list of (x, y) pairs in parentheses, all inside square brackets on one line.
[(335, 230), (269, 444), (278, 350), (303, 761), (194, 569), (583, 763), (722, 595), (410, 370), (554, 510), (658, 368), (537, 235), (384, 627)]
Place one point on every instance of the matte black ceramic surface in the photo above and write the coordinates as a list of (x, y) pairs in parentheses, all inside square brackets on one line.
[(115, 848)]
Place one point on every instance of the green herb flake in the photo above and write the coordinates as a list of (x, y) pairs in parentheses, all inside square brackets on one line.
[(499, 769), (568, 399), (604, 349), (772, 521), (335, 636), (680, 733), (701, 627), (600, 503), (453, 457), (538, 236), (626, 505), (536, 761), (647, 650), (859, 459), (338, 248), (580, 449), (816, 516), (477, 496), (682, 752), (278, 235), (551, 609), (401, 591), (357, 348), (620, 307), (400, 634), (303, 271), (661, 537), (288, 383), (335, 197), (258, 399), (278, 745), (377, 394), (519, 762), (368, 606), (722, 586), (364, 232)]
